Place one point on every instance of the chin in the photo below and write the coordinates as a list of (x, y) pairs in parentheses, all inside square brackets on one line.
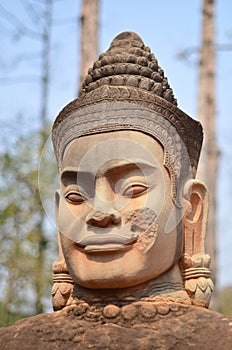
[(112, 270)]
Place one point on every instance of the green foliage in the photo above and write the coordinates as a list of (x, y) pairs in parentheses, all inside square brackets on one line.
[(11, 317), (25, 246), (225, 301)]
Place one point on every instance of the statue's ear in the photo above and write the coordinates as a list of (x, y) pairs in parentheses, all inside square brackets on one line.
[(195, 262), (196, 215)]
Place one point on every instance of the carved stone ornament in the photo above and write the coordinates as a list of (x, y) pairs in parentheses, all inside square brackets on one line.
[(131, 218)]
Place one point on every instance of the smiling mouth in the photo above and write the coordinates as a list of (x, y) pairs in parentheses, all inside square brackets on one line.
[(107, 242)]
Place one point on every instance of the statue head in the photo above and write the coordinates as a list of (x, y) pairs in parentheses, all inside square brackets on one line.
[(129, 210)]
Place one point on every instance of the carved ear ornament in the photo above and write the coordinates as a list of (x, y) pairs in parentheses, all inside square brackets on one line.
[(62, 285), (61, 290), (195, 262), (198, 285)]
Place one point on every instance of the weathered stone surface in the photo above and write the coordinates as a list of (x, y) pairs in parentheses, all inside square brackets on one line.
[(111, 311), (195, 329), (113, 215), (131, 219)]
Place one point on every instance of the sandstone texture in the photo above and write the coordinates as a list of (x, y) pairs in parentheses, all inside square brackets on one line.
[(135, 326)]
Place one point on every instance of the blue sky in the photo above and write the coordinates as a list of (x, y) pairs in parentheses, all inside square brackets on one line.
[(167, 27)]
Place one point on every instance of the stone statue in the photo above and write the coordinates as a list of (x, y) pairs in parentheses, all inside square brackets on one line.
[(131, 218)]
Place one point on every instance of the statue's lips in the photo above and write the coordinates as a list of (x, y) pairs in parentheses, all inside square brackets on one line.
[(107, 242)]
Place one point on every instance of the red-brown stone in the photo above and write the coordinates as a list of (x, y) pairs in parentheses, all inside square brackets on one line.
[(197, 328)]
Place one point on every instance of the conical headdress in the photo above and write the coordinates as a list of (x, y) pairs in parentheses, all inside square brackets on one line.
[(126, 89)]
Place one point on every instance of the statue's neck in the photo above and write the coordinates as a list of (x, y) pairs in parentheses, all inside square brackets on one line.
[(169, 285)]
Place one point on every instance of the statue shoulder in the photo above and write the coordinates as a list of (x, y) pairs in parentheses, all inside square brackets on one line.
[(67, 329)]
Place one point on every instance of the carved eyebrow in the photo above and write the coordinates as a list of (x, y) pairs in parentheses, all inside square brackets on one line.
[(125, 165), (111, 166), (70, 175), (68, 170), (138, 163)]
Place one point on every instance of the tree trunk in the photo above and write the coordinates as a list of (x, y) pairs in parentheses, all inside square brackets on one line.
[(89, 36), (45, 81), (207, 115)]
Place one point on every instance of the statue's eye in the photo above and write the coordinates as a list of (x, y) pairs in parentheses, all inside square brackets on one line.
[(135, 190), (75, 198)]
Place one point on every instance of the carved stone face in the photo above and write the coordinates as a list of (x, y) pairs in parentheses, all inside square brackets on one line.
[(115, 212)]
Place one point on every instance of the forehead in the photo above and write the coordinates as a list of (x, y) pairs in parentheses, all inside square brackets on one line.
[(120, 146)]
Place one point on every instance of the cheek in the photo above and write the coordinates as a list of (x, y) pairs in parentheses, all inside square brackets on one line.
[(67, 245), (144, 222), (165, 251), (148, 204), (69, 250), (141, 219), (127, 205), (80, 211)]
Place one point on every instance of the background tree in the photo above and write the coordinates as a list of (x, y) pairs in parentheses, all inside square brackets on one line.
[(89, 36), (208, 167), (225, 301), (207, 107), (24, 240), (22, 234), (42, 241)]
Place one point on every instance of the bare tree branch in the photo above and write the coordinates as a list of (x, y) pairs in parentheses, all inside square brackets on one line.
[(65, 21), (186, 53), (19, 80), (16, 61), (224, 47), (33, 14), (18, 25)]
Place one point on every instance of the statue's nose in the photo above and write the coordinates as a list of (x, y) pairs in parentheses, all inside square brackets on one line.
[(103, 213), (103, 219)]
